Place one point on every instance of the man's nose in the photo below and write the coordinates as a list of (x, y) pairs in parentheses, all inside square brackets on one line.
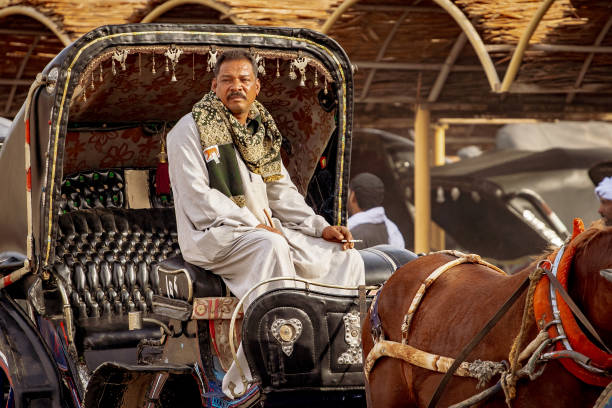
[(236, 85)]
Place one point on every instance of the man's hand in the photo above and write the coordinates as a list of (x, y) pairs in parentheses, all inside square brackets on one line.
[(336, 233), (269, 229)]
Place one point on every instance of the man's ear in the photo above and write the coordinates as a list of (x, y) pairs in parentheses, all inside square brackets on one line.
[(257, 86), (213, 85)]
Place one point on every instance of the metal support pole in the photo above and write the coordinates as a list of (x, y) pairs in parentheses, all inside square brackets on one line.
[(437, 233), (421, 180)]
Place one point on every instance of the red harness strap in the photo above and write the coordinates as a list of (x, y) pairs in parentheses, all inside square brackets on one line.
[(575, 336)]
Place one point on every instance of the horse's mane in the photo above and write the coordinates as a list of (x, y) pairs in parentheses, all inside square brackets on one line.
[(582, 240)]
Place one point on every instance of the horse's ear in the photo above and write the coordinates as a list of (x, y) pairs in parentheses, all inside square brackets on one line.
[(578, 227)]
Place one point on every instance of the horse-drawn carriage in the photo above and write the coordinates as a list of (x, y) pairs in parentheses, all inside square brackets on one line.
[(104, 311)]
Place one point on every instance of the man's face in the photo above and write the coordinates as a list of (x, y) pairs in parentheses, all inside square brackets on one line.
[(605, 210), (237, 87)]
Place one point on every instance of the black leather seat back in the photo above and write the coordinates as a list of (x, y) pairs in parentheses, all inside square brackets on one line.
[(108, 257), (381, 261)]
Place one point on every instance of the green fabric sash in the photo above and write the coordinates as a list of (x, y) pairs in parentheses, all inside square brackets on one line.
[(220, 131)]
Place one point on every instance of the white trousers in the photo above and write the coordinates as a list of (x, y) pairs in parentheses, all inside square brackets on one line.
[(258, 255)]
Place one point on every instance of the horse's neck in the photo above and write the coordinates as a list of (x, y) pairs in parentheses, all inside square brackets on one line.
[(591, 292)]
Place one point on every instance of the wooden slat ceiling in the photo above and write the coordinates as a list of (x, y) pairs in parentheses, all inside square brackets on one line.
[(399, 48), (26, 47), (408, 68)]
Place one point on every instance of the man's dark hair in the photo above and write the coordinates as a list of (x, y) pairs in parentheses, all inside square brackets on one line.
[(369, 190), (233, 55)]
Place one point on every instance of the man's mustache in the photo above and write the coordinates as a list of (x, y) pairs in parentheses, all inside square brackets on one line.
[(239, 94)]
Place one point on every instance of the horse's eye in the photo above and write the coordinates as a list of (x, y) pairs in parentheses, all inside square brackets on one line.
[(607, 274)]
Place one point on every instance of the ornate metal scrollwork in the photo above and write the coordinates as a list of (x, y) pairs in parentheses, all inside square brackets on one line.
[(286, 332), (352, 336)]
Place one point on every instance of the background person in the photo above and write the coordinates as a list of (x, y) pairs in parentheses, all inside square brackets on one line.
[(604, 193), (367, 221)]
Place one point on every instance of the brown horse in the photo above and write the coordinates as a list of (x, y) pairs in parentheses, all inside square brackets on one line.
[(458, 305)]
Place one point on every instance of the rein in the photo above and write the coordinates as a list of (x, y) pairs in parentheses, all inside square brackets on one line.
[(477, 339), (534, 352)]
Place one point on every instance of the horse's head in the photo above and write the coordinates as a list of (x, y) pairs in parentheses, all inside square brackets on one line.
[(590, 282)]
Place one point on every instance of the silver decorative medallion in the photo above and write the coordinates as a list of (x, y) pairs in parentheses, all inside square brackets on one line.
[(352, 336), (286, 332)]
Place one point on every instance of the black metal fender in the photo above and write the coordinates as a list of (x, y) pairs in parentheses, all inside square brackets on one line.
[(26, 360)]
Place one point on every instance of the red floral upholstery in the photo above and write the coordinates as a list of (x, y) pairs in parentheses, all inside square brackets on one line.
[(136, 95)]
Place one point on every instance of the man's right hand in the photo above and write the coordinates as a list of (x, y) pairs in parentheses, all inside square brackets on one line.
[(271, 229)]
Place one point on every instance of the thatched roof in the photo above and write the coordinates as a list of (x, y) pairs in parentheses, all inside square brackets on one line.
[(406, 52)]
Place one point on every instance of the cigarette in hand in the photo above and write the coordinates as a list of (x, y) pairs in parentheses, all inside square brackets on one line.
[(352, 240), (268, 218)]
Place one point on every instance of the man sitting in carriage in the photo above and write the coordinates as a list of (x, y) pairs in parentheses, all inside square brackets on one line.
[(238, 212)]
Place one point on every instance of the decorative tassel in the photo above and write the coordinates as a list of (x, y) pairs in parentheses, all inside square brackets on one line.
[(101, 78), (120, 56), (212, 59), (316, 77), (173, 54), (325, 89), (277, 70), (113, 67), (153, 65), (292, 74), (92, 81), (261, 64), (162, 177)]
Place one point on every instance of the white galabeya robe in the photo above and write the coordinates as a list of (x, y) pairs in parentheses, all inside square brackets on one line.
[(216, 234)]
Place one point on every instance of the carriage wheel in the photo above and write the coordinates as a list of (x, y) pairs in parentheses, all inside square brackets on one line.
[(605, 399), (8, 400)]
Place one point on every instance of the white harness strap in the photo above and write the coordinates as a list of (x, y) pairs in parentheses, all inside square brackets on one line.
[(412, 355)]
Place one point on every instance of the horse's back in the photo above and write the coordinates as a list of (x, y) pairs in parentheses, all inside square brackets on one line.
[(454, 307)]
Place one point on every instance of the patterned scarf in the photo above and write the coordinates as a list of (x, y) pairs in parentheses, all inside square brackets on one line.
[(220, 131)]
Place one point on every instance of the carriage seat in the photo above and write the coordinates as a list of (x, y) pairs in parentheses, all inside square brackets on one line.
[(180, 280), (107, 259), (381, 261)]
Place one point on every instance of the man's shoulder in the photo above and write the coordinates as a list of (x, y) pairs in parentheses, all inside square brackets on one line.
[(185, 127)]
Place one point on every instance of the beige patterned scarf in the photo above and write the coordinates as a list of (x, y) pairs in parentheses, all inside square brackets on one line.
[(259, 150)]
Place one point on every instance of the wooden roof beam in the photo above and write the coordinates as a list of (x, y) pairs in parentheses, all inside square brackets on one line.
[(448, 63), (29, 33), (414, 66), (382, 7), (226, 12), (24, 62), (381, 54), (588, 60), (37, 15), (20, 82), (552, 48), (519, 52), (475, 40)]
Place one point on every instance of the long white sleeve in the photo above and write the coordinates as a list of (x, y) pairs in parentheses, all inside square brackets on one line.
[(203, 206), (289, 206)]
